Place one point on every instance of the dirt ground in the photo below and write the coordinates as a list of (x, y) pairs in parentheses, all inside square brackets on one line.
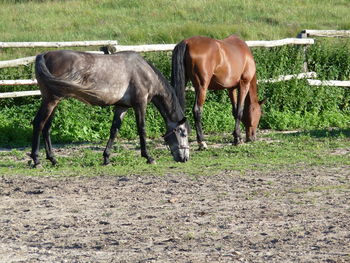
[(292, 216)]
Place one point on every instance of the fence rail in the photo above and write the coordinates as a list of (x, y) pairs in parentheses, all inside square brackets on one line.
[(324, 33), (58, 44), (170, 47), (333, 83), (17, 94), (27, 61), (18, 82), (37, 92), (113, 47), (289, 77)]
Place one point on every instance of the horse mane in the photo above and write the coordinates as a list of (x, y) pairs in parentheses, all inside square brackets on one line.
[(174, 100)]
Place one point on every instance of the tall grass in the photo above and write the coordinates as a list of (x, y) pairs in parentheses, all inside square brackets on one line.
[(166, 21)]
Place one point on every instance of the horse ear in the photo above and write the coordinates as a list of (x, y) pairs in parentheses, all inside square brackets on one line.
[(262, 101), (182, 121), (188, 127)]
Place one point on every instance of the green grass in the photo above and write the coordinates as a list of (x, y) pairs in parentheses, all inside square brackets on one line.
[(165, 21), (138, 21), (275, 153)]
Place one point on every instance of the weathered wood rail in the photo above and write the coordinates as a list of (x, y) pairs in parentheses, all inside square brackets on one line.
[(323, 33), (113, 47)]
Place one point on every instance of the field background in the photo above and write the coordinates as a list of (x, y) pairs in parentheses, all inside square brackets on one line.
[(282, 198)]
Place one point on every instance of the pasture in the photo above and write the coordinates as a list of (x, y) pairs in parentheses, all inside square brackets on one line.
[(283, 198)]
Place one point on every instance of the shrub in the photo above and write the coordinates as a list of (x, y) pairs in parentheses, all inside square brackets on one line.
[(290, 105)]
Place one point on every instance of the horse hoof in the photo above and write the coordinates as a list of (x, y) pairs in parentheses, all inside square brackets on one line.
[(202, 146), (252, 139), (237, 142), (151, 161), (53, 161), (34, 165)]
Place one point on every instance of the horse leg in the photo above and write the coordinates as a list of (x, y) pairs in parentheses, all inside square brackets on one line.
[(39, 123), (197, 113), (47, 139), (140, 121), (119, 114), (243, 91), (232, 93)]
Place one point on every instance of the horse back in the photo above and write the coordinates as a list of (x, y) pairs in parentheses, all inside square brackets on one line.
[(223, 62), (92, 78), (238, 57)]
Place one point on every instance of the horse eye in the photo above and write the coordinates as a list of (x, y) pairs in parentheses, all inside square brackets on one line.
[(183, 133)]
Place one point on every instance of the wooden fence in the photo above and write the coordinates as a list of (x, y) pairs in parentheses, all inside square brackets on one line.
[(323, 33), (113, 47)]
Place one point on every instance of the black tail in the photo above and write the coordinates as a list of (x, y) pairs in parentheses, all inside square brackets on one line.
[(42, 73), (178, 74), (57, 86)]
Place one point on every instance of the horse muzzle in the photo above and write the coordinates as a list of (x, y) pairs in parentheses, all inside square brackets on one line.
[(182, 154)]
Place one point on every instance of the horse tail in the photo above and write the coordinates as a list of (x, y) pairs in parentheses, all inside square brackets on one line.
[(55, 85), (42, 73), (178, 74)]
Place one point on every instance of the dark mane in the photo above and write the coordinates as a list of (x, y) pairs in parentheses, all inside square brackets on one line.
[(174, 102)]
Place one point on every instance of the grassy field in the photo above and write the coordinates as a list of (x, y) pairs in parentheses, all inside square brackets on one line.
[(158, 21), (273, 152)]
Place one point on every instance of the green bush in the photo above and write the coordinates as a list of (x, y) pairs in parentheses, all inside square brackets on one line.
[(290, 104)]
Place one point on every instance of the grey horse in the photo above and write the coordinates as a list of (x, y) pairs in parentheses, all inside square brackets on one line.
[(124, 80)]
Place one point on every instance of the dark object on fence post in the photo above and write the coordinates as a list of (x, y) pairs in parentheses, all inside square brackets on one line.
[(108, 49), (303, 34), (105, 50)]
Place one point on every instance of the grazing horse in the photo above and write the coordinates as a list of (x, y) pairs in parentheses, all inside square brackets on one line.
[(123, 79), (218, 64)]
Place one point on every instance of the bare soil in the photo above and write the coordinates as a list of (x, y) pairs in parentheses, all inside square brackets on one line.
[(282, 216)]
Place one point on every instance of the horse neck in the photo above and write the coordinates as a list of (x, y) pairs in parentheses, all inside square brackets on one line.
[(168, 105), (253, 92)]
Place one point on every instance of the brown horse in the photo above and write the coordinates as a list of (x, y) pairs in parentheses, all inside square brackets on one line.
[(218, 64)]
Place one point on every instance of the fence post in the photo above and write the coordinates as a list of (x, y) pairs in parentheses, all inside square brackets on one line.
[(303, 34)]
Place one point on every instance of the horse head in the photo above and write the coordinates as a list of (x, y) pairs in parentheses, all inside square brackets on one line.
[(177, 140), (251, 118)]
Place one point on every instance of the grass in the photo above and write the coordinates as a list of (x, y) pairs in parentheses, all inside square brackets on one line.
[(169, 21), (137, 21), (274, 152)]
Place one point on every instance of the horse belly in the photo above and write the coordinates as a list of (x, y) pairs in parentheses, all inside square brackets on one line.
[(223, 83), (102, 95), (114, 94)]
